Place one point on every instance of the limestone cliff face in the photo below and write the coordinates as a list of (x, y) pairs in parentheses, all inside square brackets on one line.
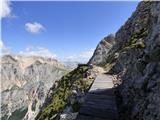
[(135, 59), (25, 82), (100, 53)]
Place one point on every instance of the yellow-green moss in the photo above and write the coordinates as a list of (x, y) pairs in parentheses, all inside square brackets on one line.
[(138, 44), (108, 67), (137, 39)]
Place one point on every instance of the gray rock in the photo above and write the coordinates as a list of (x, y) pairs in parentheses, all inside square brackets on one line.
[(100, 54), (25, 83)]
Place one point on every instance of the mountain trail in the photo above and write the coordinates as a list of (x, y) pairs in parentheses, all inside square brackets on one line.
[(100, 103)]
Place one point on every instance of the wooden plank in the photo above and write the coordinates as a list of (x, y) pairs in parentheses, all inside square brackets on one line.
[(99, 96), (107, 92), (85, 117), (98, 112), (100, 103)]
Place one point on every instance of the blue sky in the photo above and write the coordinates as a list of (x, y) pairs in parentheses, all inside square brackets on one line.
[(67, 29)]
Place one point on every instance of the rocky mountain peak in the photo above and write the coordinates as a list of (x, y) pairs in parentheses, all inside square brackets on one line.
[(110, 39), (8, 59), (100, 53)]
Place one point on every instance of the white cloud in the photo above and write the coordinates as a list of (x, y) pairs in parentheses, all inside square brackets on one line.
[(5, 10), (34, 27), (86, 54), (82, 57), (37, 51), (1, 45), (4, 49)]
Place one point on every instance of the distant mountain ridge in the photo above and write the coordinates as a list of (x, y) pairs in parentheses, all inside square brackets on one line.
[(25, 83)]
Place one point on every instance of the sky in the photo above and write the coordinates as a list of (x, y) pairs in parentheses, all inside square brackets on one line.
[(63, 30)]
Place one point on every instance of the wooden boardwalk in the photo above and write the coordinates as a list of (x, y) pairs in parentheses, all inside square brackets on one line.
[(100, 103)]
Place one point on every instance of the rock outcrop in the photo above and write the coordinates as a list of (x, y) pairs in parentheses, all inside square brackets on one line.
[(135, 59), (101, 52), (25, 82)]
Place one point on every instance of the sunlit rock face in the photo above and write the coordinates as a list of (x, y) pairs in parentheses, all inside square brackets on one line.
[(25, 82), (100, 53)]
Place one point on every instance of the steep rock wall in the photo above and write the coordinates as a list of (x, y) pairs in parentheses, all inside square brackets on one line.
[(135, 58)]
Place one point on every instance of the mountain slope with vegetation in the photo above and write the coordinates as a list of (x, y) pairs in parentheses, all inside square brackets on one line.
[(67, 95)]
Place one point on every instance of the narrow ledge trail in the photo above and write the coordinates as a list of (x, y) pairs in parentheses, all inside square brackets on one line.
[(100, 102)]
